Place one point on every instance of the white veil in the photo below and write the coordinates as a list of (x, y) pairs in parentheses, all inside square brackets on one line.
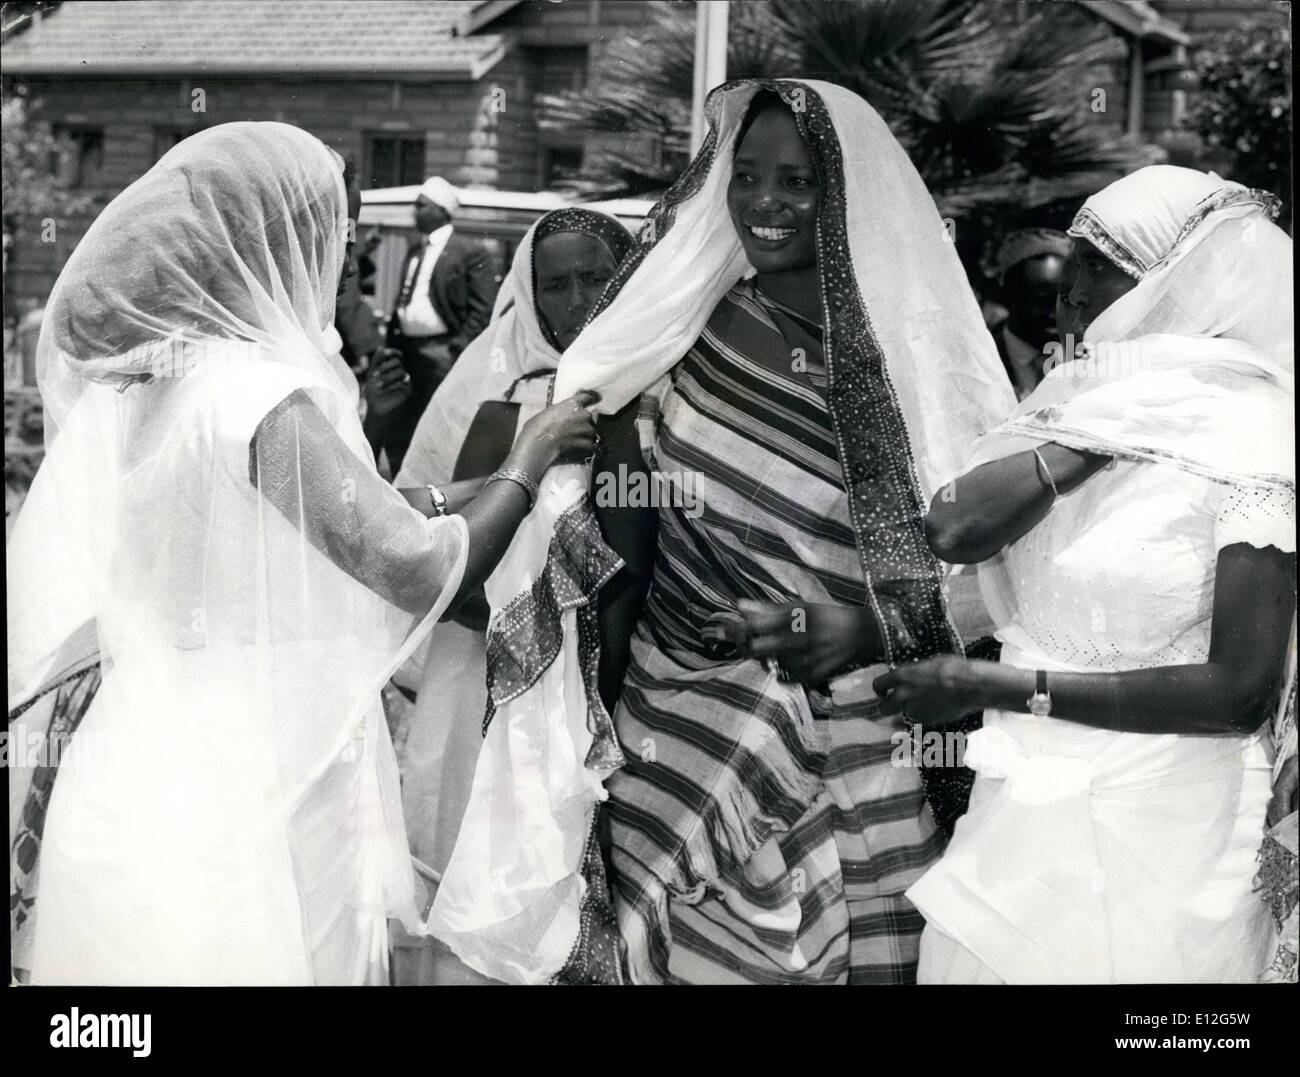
[(1196, 364), (918, 379), (209, 523), (513, 345)]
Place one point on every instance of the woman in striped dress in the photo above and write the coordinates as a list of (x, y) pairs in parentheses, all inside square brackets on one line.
[(768, 819)]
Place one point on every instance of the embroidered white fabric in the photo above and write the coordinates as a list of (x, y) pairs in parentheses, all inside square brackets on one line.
[(1141, 842)]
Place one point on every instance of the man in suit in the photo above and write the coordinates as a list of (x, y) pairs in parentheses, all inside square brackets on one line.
[(448, 287), (1030, 266)]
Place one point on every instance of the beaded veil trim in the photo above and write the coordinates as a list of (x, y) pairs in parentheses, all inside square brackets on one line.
[(1087, 225), (1226, 198), (597, 956), (526, 636)]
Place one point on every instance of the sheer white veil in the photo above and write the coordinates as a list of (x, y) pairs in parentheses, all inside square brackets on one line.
[(229, 248), (1196, 364), (209, 523), (236, 234)]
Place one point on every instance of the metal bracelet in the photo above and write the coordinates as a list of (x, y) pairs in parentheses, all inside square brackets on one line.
[(437, 499), (520, 478), (1046, 474)]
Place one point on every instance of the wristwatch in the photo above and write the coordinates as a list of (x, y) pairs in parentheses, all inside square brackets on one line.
[(438, 498), (1040, 703)]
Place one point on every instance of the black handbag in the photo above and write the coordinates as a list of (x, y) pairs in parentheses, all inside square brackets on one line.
[(488, 441), (491, 435)]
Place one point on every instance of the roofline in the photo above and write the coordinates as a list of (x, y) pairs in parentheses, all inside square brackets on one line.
[(480, 16), (462, 71), (1137, 23)]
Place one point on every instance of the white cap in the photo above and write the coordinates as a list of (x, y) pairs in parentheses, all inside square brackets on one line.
[(440, 192)]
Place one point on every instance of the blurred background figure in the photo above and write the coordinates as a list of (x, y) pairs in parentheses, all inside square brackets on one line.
[(367, 270), (448, 286), (1030, 264), (353, 317), (356, 322)]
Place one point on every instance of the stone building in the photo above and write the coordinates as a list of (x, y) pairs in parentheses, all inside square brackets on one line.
[(407, 88)]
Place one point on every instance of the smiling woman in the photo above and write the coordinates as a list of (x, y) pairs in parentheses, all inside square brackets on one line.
[(759, 832), (773, 198)]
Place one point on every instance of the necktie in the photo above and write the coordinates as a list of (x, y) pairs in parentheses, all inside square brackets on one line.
[(412, 276)]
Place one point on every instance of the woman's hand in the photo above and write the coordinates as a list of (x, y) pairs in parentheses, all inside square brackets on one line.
[(810, 642), (931, 691), (563, 433)]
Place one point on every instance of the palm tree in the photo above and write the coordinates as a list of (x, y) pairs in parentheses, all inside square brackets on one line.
[(993, 104)]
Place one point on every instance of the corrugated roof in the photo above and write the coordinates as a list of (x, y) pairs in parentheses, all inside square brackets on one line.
[(197, 37)]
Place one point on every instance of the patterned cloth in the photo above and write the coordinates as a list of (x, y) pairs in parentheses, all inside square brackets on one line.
[(71, 701), (761, 832), (1278, 879)]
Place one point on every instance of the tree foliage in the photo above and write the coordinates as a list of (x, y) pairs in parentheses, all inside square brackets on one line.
[(1244, 105), (990, 110), (996, 112), (29, 188)]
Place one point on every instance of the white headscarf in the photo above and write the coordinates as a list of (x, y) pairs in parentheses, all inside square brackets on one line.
[(1196, 364), (209, 521), (441, 193), (915, 378), (513, 345)]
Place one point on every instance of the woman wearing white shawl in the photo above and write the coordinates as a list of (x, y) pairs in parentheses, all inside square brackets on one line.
[(1145, 607), (209, 525), (501, 364), (912, 379)]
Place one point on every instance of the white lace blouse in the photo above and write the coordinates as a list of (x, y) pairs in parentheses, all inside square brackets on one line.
[(1120, 573)]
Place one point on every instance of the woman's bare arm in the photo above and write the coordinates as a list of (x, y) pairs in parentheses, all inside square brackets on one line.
[(975, 516), (302, 467), (458, 495), (1232, 692)]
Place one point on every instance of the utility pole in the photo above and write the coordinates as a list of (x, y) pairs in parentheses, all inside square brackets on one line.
[(710, 61)]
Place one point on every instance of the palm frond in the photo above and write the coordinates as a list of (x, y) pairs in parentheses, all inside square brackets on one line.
[(994, 114)]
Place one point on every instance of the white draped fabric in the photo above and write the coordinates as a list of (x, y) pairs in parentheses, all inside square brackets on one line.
[(525, 830), (450, 672), (208, 522), (1097, 856), (446, 732)]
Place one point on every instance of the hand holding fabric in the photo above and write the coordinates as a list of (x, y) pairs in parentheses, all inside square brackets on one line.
[(932, 691), (810, 642)]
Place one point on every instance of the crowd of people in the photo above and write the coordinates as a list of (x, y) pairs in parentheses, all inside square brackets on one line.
[(479, 725)]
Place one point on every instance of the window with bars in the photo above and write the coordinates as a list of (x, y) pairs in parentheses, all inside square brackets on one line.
[(394, 160)]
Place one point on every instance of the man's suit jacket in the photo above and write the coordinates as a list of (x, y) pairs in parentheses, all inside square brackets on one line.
[(462, 288)]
